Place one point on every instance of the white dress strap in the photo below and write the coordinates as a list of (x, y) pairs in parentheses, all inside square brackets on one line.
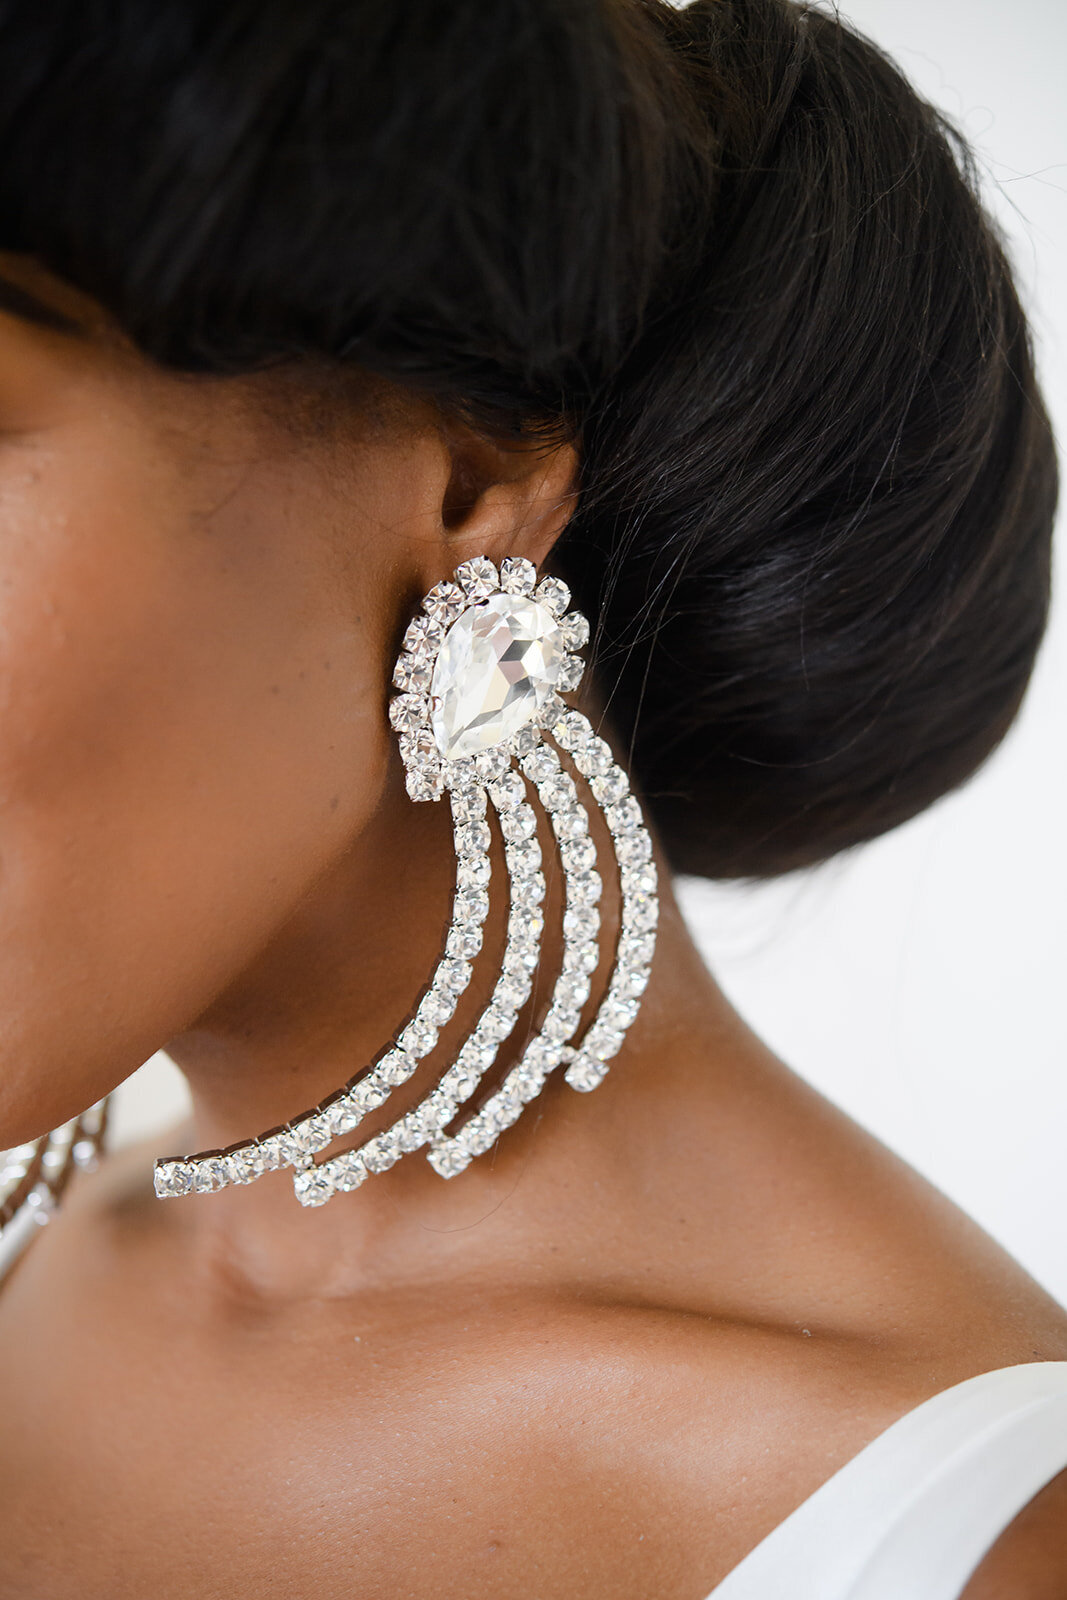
[(914, 1513)]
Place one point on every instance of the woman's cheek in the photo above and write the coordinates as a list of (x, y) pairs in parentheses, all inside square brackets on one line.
[(184, 745)]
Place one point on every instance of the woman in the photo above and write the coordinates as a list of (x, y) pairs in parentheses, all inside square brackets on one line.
[(306, 312)]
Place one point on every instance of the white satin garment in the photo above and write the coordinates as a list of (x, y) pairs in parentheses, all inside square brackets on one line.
[(912, 1515)]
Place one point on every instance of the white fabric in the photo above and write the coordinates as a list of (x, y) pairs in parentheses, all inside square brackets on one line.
[(914, 1513)]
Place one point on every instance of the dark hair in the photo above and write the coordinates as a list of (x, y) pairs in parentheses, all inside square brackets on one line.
[(728, 249)]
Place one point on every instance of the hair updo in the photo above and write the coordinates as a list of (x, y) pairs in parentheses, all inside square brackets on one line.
[(728, 250)]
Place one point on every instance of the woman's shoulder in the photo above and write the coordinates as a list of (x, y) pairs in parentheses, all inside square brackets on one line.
[(819, 1290), (661, 1445), (770, 1206)]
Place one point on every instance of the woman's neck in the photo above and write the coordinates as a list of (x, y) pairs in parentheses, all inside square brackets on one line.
[(319, 1005)]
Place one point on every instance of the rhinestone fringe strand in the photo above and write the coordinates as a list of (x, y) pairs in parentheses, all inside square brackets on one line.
[(33, 1176)]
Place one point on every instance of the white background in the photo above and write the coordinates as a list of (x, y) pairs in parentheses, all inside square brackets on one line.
[(920, 982)]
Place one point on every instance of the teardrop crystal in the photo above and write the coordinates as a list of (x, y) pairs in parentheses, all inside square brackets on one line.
[(497, 666)]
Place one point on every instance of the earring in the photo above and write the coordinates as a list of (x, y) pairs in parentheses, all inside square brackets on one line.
[(479, 718), (33, 1176)]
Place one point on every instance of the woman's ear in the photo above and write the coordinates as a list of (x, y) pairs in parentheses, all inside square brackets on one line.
[(507, 497)]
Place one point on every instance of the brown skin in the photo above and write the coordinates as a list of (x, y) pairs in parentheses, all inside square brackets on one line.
[(604, 1361)]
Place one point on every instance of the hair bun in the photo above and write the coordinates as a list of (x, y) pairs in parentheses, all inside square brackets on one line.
[(819, 492)]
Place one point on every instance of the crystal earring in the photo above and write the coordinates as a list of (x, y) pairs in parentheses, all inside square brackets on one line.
[(480, 718), (33, 1176)]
